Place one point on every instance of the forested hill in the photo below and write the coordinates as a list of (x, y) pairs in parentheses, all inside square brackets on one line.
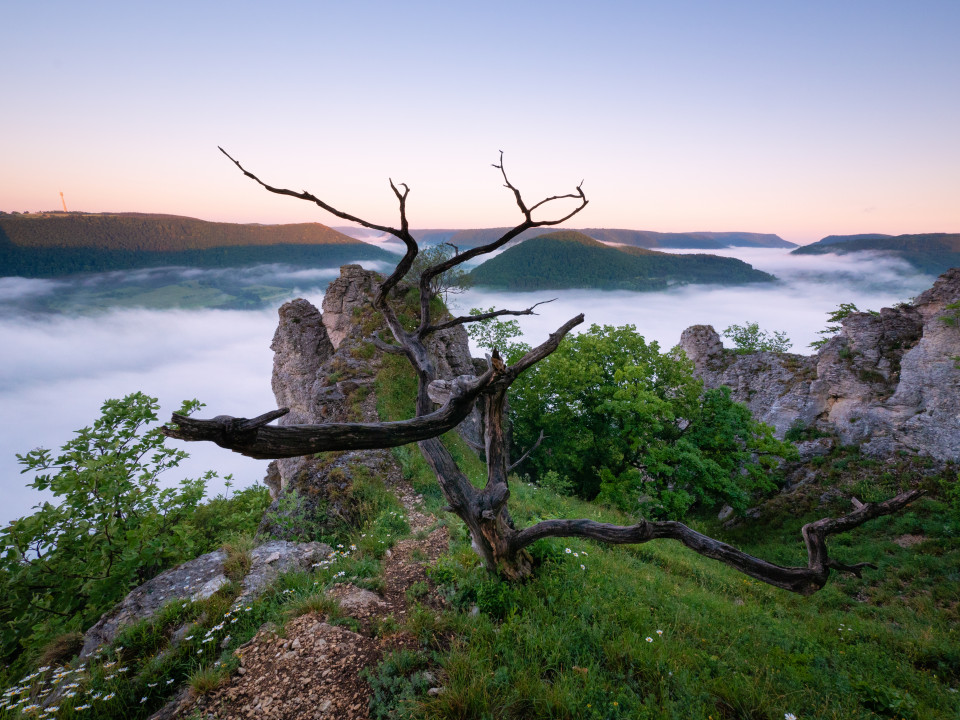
[(933, 253), (570, 259), (637, 238), (52, 244)]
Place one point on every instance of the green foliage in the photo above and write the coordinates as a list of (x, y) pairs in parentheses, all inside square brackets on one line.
[(555, 482), (800, 431), (112, 529), (632, 424), (749, 338), (500, 334), (844, 310), (570, 259), (397, 683), (453, 281), (951, 318)]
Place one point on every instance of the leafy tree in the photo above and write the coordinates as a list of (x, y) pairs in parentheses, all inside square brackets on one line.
[(625, 421), (497, 334), (451, 282), (749, 338), (111, 527)]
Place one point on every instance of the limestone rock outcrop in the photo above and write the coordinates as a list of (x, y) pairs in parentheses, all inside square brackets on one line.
[(888, 381), (200, 578), (324, 370)]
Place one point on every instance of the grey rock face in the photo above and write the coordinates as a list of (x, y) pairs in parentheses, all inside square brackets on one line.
[(352, 290), (197, 580), (775, 386), (300, 347), (886, 381), (324, 369), (278, 556)]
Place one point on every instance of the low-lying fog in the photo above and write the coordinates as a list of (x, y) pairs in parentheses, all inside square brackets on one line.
[(56, 368)]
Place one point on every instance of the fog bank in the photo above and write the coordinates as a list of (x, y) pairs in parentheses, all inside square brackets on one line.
[(57, 368)]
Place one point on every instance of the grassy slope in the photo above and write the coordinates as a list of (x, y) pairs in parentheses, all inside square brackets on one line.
[(573, 643), (570, 259), (932, 253)]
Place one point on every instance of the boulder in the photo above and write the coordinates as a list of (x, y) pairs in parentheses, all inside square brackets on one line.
[(198, 579)]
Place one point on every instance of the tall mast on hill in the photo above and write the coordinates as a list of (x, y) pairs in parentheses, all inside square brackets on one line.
[(63, 201)]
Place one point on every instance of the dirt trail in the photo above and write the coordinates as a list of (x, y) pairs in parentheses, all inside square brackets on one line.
[(313, 671)]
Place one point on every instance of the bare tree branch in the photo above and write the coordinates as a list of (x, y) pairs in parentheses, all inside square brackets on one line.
[(485, 512), (513, 466), (403, 233), (527, 224), (802, 580), (464, 319), (381, 344), (541, 351), (254, 438)]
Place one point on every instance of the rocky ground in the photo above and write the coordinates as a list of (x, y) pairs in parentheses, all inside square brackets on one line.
[(313, 669)]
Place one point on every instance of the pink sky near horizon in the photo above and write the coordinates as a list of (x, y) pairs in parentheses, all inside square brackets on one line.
[(801, 121)]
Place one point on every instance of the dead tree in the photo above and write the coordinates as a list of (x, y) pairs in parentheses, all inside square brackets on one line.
[(499, 543)]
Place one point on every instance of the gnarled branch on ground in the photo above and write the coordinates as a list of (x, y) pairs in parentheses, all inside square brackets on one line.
[(803, 580)]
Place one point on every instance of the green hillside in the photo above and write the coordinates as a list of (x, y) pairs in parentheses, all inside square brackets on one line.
[(932, 253), (55, 244), (638, 238), (570, 259), (155, 233)]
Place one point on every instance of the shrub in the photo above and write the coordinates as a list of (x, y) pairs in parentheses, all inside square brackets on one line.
[(749, 338)]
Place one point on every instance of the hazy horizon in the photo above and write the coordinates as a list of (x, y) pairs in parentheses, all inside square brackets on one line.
[(359, 232)]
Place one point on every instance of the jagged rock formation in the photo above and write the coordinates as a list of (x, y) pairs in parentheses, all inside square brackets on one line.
[(200, 578), (324, 370), (886, 381)]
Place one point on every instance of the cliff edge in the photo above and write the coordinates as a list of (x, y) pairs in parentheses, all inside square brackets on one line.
[(887, 382)]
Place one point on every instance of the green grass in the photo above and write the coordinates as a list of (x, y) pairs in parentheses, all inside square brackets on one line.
[(573, 643)]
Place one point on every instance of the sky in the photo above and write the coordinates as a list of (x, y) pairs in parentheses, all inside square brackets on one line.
[(801, 119)]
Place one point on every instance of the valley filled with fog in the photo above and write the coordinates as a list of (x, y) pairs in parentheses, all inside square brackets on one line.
[(69, 344)]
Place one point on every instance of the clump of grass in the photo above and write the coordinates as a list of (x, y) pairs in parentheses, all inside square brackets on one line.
[(417, 590), (397, 683), (61, 649), (319, 603), (207, 679), (238, 561)]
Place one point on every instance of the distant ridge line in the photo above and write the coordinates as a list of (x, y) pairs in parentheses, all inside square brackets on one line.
[(154, 232), (701, 240)]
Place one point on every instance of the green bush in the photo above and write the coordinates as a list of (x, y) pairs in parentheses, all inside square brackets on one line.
[(110, 527), (749, 338), (632, 425)]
